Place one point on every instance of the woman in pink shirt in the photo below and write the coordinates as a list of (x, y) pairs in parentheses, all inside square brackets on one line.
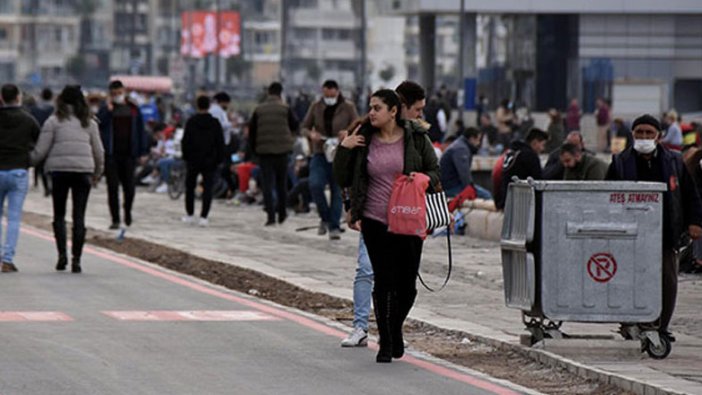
[(368, 161)]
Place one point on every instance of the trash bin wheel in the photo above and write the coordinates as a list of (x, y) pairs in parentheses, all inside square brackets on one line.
[(659, 352)]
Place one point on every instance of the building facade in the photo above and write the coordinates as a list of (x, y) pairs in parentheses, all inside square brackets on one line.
[(323, 41), (37, 39), (642, 55)]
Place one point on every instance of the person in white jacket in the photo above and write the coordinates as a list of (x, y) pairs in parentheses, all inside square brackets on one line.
[(70, 142)]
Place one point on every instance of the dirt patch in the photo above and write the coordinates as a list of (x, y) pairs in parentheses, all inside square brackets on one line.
[(453, 346)]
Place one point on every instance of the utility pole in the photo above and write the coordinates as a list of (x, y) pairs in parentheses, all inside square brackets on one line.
[(284, 6), (217, 58), (461, 56), (132, 37), (364, 52)]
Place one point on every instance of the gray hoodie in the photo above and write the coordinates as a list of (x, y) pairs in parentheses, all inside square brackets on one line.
[(69, 147)]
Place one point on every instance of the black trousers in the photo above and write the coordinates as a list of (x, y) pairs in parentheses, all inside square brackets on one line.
[(39, 172), (274, 170), (395, 258), (670, 287), (120, 171), (300, 195), (78, 184), (208, 176)]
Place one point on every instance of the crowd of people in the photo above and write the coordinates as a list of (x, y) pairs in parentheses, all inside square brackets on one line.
[(323, 153)]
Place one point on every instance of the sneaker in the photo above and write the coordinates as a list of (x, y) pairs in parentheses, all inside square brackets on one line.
[(188, 219), (203, 222), (357, 338), (149, 179), (322, 230), (163, 188), (335, 234), (8, 267)]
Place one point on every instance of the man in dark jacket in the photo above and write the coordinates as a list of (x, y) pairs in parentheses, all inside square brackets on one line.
[(581, 166), (456, 161), (270, 135), (649, 161), (554, 170), (203, 151), (18, 134), (522, 161), (125, 142)]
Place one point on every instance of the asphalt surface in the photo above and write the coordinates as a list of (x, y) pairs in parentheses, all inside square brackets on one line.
[(125, 327)]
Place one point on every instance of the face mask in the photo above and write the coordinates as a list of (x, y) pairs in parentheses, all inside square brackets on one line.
[(644, 146), (330, 101), (119, 99), (94, 109)]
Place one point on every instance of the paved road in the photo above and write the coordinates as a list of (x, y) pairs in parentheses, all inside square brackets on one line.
[(124, 327)]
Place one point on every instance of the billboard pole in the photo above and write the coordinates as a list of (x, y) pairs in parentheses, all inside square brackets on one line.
[(461, 56), (217, 58)]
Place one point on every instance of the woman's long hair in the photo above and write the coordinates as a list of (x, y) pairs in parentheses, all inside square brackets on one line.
[(72, 102)]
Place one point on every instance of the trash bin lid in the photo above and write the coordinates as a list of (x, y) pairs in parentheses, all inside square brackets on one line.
[(630, 186)]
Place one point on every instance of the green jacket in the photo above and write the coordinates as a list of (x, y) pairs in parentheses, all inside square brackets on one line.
[(589, 169), (350, 166)]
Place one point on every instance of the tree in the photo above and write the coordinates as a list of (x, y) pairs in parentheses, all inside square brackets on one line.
[(387, 73)]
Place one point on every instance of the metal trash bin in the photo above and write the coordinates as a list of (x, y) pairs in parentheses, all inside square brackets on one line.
[(585, 252)]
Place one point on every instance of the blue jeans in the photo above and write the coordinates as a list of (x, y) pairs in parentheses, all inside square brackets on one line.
[(321, 176), (362, 287), (481, 192), (13, 186), (164, 168)]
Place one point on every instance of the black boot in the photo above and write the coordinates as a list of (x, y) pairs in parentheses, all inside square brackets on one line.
[(400, 311), (78, 239), (75, 265), (60, 237), (381, 307)]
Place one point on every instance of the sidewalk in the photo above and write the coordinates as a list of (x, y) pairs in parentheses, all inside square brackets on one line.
[(473, 301)]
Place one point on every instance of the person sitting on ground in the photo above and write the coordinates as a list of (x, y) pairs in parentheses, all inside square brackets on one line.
[(490, 134), (299, 196), (554, 169), (581, 166), (455, 164), (522, 161), (673, 137)]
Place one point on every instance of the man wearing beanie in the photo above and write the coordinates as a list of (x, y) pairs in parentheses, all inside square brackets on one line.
[(649, 161)]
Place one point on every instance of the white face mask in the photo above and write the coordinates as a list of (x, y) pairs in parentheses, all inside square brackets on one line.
[(644, 146), (94, 109), (119, 99), (330, 101)]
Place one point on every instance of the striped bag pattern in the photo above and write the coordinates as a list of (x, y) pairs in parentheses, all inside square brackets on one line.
[(438, 214)]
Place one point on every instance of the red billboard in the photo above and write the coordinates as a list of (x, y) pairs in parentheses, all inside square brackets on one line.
[(203, 34)]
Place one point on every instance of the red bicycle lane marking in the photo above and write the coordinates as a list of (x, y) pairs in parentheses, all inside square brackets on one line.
[(293, 317)]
